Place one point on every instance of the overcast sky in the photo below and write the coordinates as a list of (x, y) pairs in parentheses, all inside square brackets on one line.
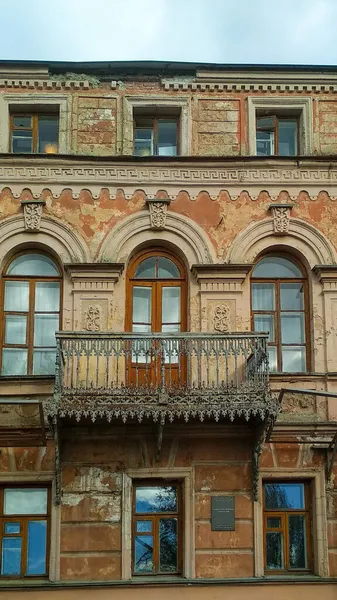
[(225, 31)]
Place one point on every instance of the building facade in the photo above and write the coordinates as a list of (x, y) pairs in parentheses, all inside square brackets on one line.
[(168, 386)]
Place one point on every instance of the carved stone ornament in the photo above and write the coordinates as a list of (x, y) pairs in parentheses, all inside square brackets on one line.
[(221, 318), (92, 318), (281, 217), (32, 213), (158, 211)]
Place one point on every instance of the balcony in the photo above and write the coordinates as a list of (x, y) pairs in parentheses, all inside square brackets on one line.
[(162, 376)]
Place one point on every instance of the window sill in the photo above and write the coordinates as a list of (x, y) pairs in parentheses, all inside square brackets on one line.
[(27, 378)]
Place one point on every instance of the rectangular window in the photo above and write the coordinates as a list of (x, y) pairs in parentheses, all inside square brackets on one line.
[(287, 526), (155, 136), (276, 135), (34, 133), (157, 534), (25, 524)]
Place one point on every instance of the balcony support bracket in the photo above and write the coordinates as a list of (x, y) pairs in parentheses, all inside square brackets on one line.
[(58, 487), (261, 433), (331, 460), (159, 441)]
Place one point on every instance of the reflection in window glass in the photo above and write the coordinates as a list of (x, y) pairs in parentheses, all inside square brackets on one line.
[(156, 499), (33, 265), (37, 548), (23, 501), (11, 556), (143, 554), (284, 496), (274, 267), (168, 545), (274, 549)]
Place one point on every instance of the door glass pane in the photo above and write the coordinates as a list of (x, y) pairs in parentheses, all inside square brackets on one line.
[(274, 550), (14, 361), (291, 296), (292, 328), (44, 361), (167, 137), (147, 268), (17, 296), (265, 323), (143, 554), (272, 355), (156, 499), (47, 296), (284, 496), (276, 267), (293, 359), (44, 329), (263, 296), (22, 141), (15, 330), (37, 547), (33, 264), (287, 138), (23, 501), (265, 144), (141, 309), (48, 133), (297, 542), (168, 545), (11, 556), (171, 305), (167, 269), (144, 526)]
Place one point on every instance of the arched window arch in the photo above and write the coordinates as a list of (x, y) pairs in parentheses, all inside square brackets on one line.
[(280, 307), (30, 306)]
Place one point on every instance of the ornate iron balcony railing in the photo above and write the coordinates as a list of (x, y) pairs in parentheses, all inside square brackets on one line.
[(159, 375)]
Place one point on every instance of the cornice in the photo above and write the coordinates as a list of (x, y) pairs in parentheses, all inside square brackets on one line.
[(236, 176)]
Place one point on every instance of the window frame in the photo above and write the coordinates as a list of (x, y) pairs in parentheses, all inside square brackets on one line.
[(155, 118), (284, 515), (155, 517), (277, 312), (34, 129), (24, 519), (275, 129), (29, 345)]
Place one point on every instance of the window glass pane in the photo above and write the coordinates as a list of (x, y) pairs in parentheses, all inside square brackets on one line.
[(22, 141), (284, 496), (167, 138), (44, 329), (144, 526), (12, 528), (17, 296), (141, 309), (272, 355), (167, 269), (21, 121), (168, 545), (265, 323), (25, 501), (156, 499), (14, 361), (273, 522), (33, 264), (168, 328), (171, 305), (297, 542), (293, 359), (47, 296), (274, 550), (141, 349), (263, 296), (287, 138), (143, 554), (274, 267), (147, 268), (265, 144), (292, 328), (143, 142), (11, 556), (15, 329), (292, 296), (37, 548), (44, 362), (48, 132)]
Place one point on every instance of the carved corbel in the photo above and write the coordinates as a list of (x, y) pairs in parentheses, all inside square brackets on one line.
[(32, 213), (262, 433), (280, 214), (158, 210)]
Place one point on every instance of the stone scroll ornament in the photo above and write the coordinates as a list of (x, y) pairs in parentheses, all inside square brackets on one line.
[(281, 217), (92, 318), (32, 213), (221, 319), (158, 212)]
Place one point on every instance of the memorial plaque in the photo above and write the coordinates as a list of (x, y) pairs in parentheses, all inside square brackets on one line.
[(223, 513)]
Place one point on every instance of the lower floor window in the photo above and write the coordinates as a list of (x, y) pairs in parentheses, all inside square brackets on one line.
[(157, 534), (25, 516), (287, 526)]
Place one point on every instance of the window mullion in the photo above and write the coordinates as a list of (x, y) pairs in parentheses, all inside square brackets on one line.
[(276, 136), (155, 136), (35, 133), (24, 545), (278, 336), (30, 325)]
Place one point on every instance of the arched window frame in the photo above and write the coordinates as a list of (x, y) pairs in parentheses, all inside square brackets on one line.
[(277, 312), (32, 280)]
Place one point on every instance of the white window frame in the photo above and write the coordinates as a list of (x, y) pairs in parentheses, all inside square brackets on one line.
[(281, 105), (185, 476), (34, 102)]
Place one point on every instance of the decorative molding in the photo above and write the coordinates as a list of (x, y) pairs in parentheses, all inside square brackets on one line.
[(46, 84), (158, 210), (220, 278), (94, 277), (221, 318), (281, 217), (327, 276), (92, 318), (32, 213)]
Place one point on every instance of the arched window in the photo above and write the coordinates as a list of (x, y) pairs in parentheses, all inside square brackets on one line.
[(279, 306), (30, 315)]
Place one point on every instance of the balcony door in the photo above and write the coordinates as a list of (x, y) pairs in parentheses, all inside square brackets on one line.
[(156, 297)]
